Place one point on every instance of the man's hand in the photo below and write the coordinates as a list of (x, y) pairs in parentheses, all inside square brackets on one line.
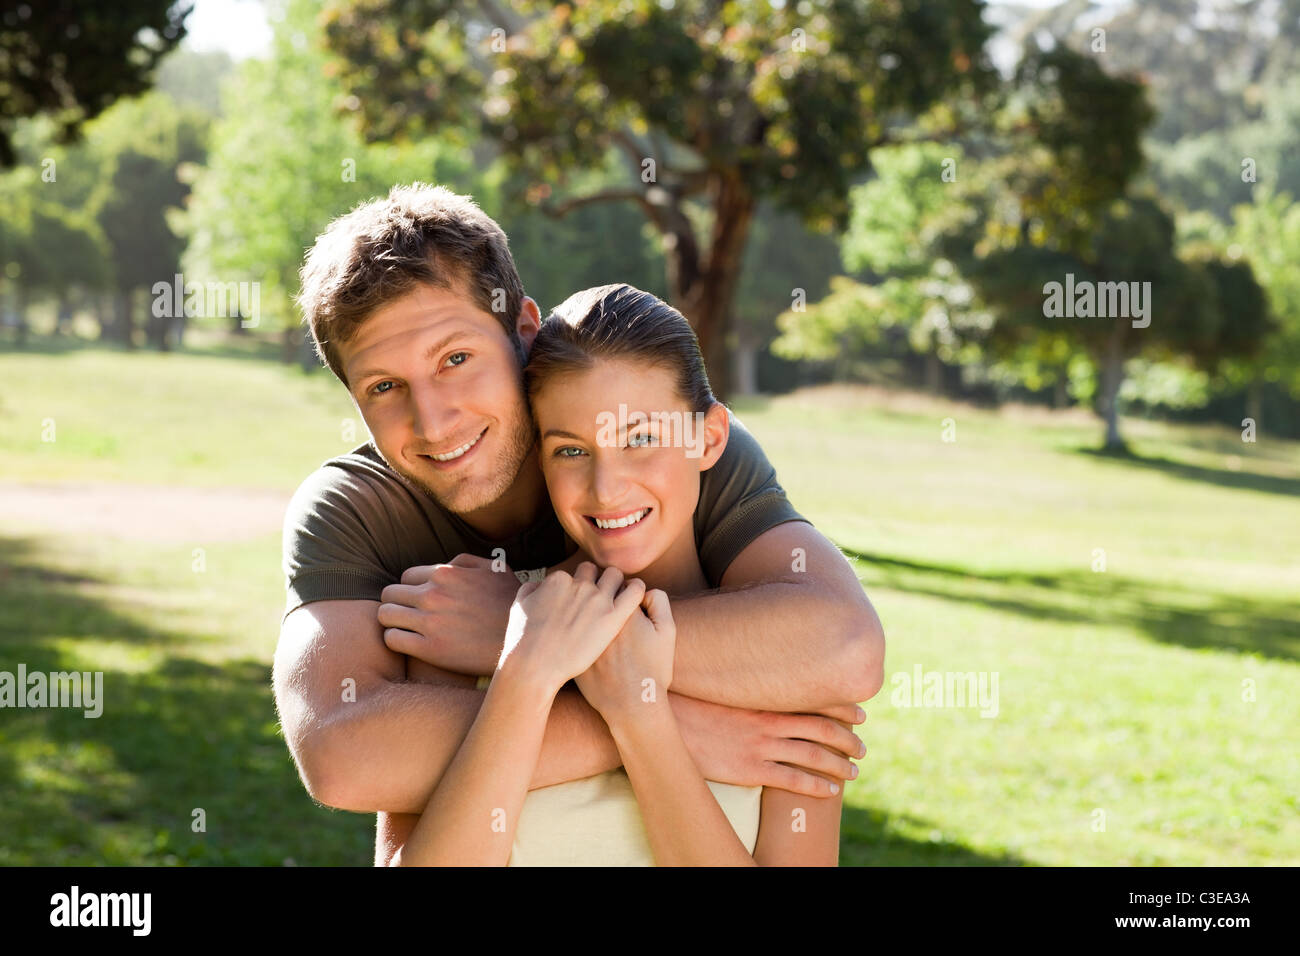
[(452, 616), (794, 752)]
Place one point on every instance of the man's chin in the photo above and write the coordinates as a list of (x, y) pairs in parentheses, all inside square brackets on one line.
[(464, 497)]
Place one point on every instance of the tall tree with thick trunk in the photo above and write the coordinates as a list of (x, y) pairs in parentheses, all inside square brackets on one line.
[(713, 106)]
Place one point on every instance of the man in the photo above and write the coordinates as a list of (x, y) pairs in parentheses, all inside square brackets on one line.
[(415, 304)]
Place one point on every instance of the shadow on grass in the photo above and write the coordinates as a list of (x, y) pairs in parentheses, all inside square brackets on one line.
[(867, 839), (1167, 613), (174, 736), (1242, 480)]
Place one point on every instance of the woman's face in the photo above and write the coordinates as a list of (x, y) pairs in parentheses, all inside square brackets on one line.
[(622, 454)]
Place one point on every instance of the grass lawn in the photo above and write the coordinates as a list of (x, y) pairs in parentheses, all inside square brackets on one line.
[(1145, 713)]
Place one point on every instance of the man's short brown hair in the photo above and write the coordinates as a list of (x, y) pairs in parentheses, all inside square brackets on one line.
[(383, 249)]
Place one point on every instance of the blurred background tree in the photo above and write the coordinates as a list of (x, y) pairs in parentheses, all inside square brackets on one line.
[(71, 60), (712, 107)]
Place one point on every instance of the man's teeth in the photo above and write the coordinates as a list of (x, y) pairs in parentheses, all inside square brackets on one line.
[(622, 522), (457, 453)]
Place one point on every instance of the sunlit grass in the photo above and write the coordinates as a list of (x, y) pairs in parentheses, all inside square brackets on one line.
[(1126, 691)]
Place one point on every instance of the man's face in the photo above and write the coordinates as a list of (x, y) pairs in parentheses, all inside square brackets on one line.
[(438, 383)]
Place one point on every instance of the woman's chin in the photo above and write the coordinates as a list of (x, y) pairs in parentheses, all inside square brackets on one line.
[(630, 564)]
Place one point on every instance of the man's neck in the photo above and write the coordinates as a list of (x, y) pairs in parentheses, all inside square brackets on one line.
[(517, 509)]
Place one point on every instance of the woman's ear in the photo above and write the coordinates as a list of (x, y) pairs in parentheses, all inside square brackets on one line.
[(717, 428)]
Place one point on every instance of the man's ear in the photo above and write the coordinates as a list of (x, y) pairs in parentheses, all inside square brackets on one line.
[(717, 428), (527, 323)]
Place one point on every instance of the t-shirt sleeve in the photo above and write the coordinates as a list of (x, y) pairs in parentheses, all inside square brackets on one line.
[(739, 500), (329, 546)]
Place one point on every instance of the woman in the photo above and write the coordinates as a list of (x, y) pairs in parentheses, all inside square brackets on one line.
[(626, 424)]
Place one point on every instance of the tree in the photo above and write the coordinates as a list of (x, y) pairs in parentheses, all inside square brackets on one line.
[(1201, 309), (72, 60), (714, 107), (913, 294), (142, 143), (48, 247), (282, 164)]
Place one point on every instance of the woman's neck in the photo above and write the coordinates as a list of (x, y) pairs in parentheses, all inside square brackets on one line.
[(677, 571)]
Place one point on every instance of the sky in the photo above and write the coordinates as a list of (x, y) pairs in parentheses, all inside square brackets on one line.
[(240, 27)]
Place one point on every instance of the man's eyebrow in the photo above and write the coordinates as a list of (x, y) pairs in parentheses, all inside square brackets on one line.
[(430, 353)]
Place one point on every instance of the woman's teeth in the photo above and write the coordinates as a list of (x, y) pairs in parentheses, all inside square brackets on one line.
[(621, 522), (458, 452)]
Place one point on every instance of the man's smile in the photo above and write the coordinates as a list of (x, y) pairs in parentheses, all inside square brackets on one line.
[(454, 456)]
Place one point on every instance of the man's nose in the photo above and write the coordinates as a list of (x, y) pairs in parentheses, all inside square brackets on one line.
[(434, 418)]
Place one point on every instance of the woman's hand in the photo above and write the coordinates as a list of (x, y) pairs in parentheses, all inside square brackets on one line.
[(636, 668), (559, 626)]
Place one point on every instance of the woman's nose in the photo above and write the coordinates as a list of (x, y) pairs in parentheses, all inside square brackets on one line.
[(608, 484)]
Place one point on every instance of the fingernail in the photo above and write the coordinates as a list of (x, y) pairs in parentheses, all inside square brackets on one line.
[(835, 788), (853, 773), (863, 751), (862, 715)]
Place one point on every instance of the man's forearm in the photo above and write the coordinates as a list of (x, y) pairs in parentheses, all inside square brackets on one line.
[(389, 750), (776, 646)]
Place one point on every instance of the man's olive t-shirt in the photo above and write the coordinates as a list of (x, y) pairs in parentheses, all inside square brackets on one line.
[(354, 526)]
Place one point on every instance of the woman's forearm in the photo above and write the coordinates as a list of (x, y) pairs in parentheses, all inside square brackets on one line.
[(684, 823), (471, 817)]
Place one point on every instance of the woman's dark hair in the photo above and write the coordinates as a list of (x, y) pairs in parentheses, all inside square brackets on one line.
[(619, 321)]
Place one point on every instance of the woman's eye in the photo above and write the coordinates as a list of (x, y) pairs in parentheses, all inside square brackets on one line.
[(641, 440), (568, 451), (457, 358)]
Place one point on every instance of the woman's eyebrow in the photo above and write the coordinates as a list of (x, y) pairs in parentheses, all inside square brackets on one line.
[(561, 434)]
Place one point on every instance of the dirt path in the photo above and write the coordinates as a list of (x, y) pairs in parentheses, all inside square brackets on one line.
[(162, 513)]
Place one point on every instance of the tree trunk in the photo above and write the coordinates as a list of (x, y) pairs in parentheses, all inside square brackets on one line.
[(1112, 377), (1253, 403), (21, 298), (124, 323), (103, 315), (933, 373), (744, 373), (706, 301), (63, 320), (1060, 397)]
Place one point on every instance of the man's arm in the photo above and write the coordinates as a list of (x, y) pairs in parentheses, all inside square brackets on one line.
[(790, 629), (366, 739)]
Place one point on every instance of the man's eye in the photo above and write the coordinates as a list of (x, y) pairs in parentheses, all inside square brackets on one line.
[(457, 358), (382, 387)]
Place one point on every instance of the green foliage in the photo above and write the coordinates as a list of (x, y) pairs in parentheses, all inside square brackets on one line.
[(1266, 235), (792, 97), (283, 163), (714, 108), (72, 60)]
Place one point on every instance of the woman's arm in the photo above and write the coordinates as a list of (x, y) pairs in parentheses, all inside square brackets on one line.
[(557, 628), (797, 830), (683, 821), (687, 827), (471, 818)]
